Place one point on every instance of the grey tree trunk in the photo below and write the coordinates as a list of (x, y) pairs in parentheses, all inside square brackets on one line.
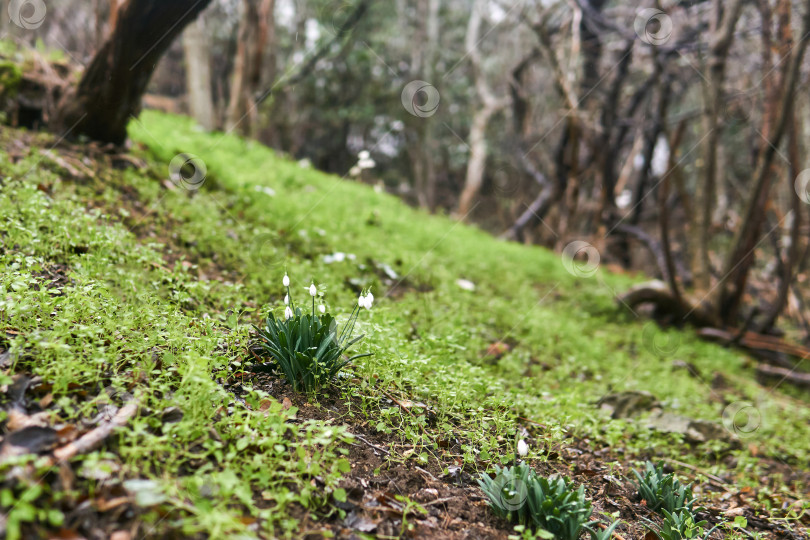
[(197, 50)]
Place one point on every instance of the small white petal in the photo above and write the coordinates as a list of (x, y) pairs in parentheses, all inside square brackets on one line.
[(364, 154), (286, 280), (313, 290), (288, 312), (522, 448), (361, 301), (286, 299), (466, 284), (322, 308)]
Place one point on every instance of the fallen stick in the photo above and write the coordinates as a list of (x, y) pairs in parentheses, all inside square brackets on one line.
[(93, 438), (796, 377)]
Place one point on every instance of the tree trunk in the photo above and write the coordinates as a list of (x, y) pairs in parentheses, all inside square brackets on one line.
[(476, 165), (111, 88), (247, 71), (725, 21), (197, 50)]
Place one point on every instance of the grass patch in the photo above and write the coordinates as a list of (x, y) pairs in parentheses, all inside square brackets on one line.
[(158, 288)]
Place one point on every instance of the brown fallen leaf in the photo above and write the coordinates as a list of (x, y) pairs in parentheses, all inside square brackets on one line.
[(286, 404), (105, 505)]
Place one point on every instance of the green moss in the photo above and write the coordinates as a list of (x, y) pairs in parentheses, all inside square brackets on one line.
[(160, 294), (10, 78)]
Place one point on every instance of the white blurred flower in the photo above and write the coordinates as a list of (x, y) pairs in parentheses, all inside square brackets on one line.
[(288, 312), (286, 299), (366, 164), (355, 171), (522, 448), (322, 308), (369, 299), (286, 280), (313, 291), (361, 301), (466, 284), (363, 154)]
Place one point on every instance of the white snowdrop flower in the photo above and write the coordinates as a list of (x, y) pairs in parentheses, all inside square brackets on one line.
[(355, 171), (286, 280), (322, 308), (366, 163), (366, 302), (286, 299), (364, 154), (466, 284), (313, 290), (288, 312), (361, 301), (523, 448), (369, 299)]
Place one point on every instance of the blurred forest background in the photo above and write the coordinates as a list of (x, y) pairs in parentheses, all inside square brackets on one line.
[(665, 137)]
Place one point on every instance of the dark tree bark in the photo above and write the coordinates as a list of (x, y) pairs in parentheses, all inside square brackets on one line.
[(111, 88)]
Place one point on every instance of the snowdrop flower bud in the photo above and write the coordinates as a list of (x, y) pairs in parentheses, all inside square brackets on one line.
[(322, 308), (288, 312), (313, 290), (286, 280), (523, 448), (361, 301), (286, 299), (369, 299)]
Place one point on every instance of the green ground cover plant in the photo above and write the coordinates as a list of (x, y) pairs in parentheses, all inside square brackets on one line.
[(121, 285)]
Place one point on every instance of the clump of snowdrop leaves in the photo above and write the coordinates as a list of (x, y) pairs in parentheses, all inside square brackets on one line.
[(308, 347)]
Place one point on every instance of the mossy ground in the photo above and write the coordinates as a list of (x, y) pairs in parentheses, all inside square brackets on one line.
[(158, 287)]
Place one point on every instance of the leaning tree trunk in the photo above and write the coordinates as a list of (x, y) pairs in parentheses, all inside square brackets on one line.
[(111, 88)]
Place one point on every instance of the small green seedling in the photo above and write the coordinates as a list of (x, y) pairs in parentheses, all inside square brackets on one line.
[(546, 505), (663, 491), (679, 525)]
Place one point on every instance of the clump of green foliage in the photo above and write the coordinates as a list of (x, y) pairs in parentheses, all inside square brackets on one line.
[(679, 525), (308, 348), (549, 505), (663, 492)]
